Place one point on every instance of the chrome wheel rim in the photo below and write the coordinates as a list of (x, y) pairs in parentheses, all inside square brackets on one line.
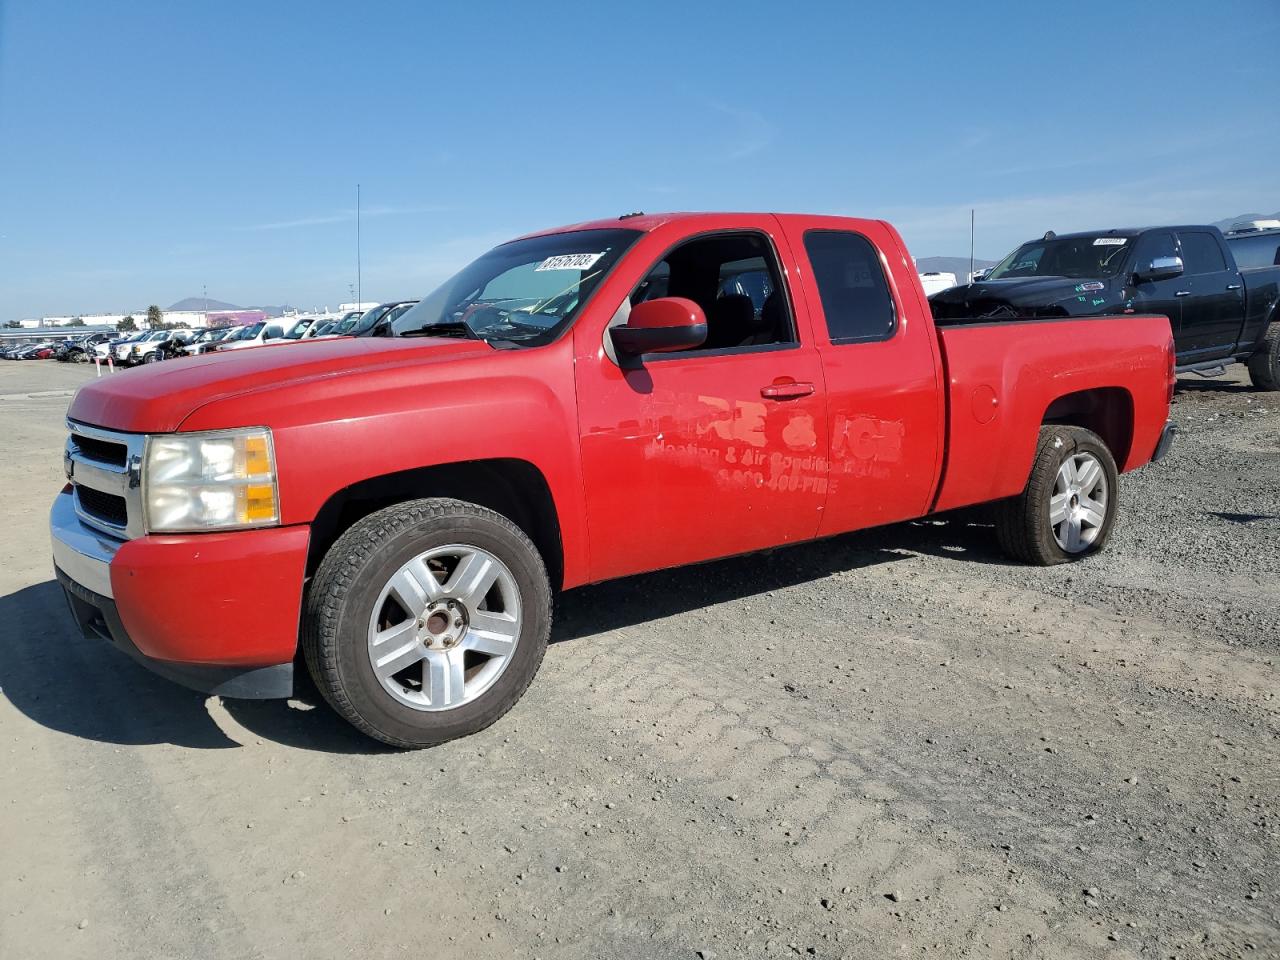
[(1078, 507), (445, 627)]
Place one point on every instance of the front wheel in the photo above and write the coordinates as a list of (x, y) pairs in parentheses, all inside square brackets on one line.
[(427, 621), (1264, 365), (1068, 507)]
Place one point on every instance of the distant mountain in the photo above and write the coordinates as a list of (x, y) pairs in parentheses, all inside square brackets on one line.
[(200, 303), (1228, 223), (957, 265)]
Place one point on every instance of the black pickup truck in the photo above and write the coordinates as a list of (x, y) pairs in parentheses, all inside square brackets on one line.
[(1221, 312)]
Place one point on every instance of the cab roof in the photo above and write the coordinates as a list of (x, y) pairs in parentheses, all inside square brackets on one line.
[(645, 222)]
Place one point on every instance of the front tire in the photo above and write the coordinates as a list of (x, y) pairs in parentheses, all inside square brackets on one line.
[(1068, 507), (1264, 365), (427, 621)]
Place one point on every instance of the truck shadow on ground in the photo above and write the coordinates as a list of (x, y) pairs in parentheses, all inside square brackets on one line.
[(666, 593), (1214, 385), (85, 688)]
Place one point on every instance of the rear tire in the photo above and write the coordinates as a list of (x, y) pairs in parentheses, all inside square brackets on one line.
[(465, 646), (1068, 507), (1264, 365)]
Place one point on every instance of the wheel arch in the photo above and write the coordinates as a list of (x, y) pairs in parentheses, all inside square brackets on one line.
[(512, 487), (1106, 411)]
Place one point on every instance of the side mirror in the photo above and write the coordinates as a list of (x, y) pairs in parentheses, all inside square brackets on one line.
[(979, 275), (273, 333), (660, 326), (1161, 268)]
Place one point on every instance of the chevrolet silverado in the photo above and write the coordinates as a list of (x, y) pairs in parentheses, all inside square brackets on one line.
[(576, 405)]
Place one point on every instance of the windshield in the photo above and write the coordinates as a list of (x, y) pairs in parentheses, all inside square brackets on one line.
[(298, 329), (366, 320), (246, 332), (1074, 257), (525, 291)]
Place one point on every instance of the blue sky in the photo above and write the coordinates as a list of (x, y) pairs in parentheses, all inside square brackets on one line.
[(152, 148)]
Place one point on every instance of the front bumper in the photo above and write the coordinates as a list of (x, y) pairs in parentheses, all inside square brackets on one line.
[(214, 612), (1166, 442)]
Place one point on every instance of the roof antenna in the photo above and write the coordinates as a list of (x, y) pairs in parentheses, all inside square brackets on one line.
[(359, 285), (971, 244)]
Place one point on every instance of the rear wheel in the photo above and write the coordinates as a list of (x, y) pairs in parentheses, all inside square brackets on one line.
[(1264, 365), (1069, 505), (427, 621)]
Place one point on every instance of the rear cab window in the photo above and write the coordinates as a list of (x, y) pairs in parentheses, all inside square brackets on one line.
[(1261, 250), (856, 300)]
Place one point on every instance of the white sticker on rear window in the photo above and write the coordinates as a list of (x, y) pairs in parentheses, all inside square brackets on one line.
[(570, 261), (1110, 241)]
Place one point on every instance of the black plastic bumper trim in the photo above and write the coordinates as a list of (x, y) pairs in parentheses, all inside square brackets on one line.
[(98, 618), (1166, 441)]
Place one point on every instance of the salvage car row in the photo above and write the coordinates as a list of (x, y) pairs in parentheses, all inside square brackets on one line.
[(152, 346)]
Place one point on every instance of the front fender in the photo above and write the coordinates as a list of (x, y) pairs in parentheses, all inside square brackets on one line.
[(333, 433)]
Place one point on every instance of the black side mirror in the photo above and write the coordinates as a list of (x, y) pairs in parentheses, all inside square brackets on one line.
[(1161, 268), (661, 326)]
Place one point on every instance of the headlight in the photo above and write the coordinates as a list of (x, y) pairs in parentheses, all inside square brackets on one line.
[(225, 480)]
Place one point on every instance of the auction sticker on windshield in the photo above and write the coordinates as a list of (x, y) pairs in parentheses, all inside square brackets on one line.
[(570, 261), (1110, 242)]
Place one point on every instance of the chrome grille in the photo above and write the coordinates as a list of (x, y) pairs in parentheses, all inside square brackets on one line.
[(105, 468)]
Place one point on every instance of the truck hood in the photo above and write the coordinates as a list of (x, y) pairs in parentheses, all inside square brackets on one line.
[(1027, 296), (156, 398)]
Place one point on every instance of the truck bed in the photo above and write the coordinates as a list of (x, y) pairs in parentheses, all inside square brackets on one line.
[(1002, 380)]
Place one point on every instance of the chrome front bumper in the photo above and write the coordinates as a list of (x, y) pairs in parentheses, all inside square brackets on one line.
[(79, 551)]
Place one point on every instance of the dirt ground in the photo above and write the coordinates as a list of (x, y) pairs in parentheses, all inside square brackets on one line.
[(890, 744)]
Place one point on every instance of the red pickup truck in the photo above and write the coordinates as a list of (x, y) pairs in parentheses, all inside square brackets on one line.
[(580, 404)]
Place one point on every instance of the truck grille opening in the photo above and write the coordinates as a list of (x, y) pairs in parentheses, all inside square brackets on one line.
[(103, 506), (103, 451)]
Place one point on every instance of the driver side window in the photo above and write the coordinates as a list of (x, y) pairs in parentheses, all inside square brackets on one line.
[(736, 281), (1151, 246)]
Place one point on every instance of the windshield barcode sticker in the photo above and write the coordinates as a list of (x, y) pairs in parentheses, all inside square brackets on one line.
[(570, 261), (1110, 242)]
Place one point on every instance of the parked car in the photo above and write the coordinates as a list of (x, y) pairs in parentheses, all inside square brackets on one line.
[(79, 349), (36, 351), (408, 505), (1221, 312), (305, 327), (148, 349), (252, 335), (934, 281), (1252, 226), (206, 340), (377, 321), (110, 349)]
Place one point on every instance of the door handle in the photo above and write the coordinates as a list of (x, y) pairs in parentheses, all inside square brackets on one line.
[(786, 391), (1183, 293), (1233, 286)]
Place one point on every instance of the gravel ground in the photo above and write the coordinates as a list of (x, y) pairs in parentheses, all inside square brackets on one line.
[(893, 743)]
